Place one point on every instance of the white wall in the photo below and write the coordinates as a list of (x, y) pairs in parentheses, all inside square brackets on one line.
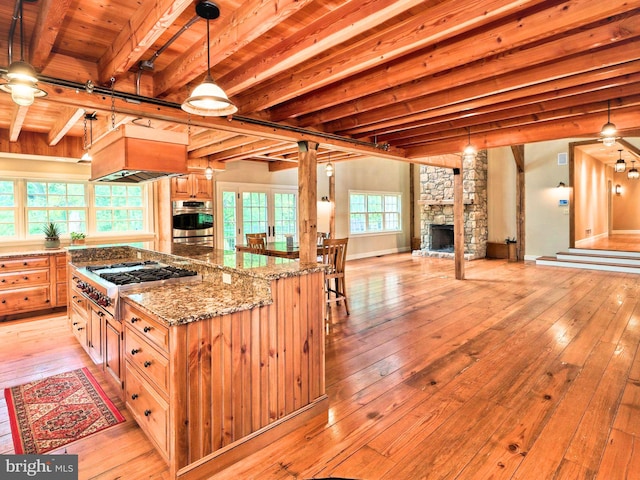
[(501, 195)]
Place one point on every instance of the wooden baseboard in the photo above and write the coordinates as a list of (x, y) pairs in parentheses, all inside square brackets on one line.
[(221, 459)]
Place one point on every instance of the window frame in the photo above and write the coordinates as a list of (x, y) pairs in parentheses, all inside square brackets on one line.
[(384, 230)]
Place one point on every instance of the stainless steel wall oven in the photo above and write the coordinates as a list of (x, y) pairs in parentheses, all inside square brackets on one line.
[(193, 222)]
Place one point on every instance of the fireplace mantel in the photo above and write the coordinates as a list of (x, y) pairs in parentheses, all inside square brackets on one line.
[(443, 202)]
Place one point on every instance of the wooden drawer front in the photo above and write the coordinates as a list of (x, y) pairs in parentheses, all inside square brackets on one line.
[(79, 328), (78, 301), (61, 294), (21, 279), (61, 261), (33, 298), (148, 408), (146, 326), (23, 263), (148, 360)]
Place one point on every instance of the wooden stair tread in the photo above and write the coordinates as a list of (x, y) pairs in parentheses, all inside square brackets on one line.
[(596, 255), (591, 264)]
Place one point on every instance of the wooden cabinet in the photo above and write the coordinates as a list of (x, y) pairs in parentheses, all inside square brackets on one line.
[(113, 350), (60, 264), (95, 334), (25, 284), (190, 187), (146, 379)]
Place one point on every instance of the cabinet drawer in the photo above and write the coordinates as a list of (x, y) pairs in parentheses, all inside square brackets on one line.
[(79, 328), (147, 359), (23, 279), (23, 263), (33, 298), (78, 301), (147, 327), (150, 411)]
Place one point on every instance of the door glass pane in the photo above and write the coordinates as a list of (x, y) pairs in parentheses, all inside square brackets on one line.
[(254, 212), (229, 221), (285, 211)]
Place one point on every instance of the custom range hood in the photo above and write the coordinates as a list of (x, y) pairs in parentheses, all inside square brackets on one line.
[(134, 154)]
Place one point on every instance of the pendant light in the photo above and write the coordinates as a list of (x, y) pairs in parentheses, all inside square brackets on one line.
[(86, 157), (208, 99), (620, 165), (21, 76), (633, 173), (469, 153), (609, 130), (208, 172)]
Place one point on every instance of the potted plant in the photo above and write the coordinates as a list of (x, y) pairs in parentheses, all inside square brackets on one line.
[(77, 238), (51, 235)]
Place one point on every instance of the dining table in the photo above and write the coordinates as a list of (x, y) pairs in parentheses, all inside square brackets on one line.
[(277, 249)]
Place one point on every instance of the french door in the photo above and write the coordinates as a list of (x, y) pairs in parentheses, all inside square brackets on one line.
[(255, 209)]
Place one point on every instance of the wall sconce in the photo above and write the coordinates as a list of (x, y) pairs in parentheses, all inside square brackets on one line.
[(561, 185), (618, 189)]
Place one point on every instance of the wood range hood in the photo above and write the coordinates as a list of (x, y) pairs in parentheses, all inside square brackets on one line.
[(134, 154)]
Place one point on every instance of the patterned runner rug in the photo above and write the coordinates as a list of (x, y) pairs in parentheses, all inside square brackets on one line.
[(49, 413)]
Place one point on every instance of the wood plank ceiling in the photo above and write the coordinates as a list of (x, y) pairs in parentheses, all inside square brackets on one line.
[(404, 79)]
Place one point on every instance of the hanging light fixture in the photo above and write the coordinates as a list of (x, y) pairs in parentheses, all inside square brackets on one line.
[(609, 130), (208, 99), (620, 165), (86, 157), (208, 172), (469, 152), (633, 173), (22, 80)]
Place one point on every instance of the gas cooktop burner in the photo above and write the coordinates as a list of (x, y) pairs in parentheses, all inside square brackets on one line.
[(146, 275), (94, 268)]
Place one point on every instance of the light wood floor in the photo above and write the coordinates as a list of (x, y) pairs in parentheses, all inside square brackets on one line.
[(623, 241), (518, 372)]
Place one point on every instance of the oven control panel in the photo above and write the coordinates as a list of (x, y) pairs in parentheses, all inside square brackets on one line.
[(93, 293)]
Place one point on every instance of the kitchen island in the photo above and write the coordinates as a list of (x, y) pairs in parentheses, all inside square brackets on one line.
[(213, 370)]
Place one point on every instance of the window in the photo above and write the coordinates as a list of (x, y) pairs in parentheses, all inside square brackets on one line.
[(76, 206), (7, 209), (119, 208), (374, 212), (58, 202)]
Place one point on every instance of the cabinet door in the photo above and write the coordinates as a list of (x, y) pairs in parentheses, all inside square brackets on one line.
[(181, 187), (112, 350), (201, 187), (94, 340)]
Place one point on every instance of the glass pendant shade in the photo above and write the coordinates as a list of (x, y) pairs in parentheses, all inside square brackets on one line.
[(608, 130), (633, 173), (208, 173), (86, 157), (22, 84), (620, 165), (469, 152), (329, 169), (208, 99)]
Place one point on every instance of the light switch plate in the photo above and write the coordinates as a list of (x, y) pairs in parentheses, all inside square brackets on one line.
[(226, 278)]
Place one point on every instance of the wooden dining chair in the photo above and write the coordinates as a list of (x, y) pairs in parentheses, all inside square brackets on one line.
[(256, 244), (334, 254), (256, 235)]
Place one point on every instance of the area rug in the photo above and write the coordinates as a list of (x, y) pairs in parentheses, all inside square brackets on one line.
[(57, 410)]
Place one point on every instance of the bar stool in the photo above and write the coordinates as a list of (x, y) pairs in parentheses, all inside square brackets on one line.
[(334, 254)]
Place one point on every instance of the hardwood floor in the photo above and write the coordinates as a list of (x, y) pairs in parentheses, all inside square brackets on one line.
[(518, 372), (629, 242)]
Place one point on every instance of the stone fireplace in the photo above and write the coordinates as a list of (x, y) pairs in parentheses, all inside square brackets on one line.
[(436, 212)]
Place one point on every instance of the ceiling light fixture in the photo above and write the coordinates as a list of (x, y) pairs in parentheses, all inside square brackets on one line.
[(208, 99), (609, 130), (86, 157), (633, 173), (329, 169), (469, 153), (208, 172), (620, 165), (22, 80)]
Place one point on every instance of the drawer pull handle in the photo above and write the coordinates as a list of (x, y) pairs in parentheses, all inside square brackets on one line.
[(134, 351), (25, 264), (134, 396), (79, 300), (4, 301), (26, 278), (100, 314), (146, 329), (147, 364), (26, 298), (147, 413), (3, 280), (75, 323), (134, 319), (80, 328), (2, 266)]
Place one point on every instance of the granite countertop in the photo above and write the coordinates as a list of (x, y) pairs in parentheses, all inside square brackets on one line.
[(29, 250), (178, 304)]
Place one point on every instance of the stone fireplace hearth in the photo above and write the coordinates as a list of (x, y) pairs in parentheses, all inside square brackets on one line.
[(436, 200)]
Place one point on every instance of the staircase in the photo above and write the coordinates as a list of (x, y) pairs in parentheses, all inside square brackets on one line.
[(606, 260)]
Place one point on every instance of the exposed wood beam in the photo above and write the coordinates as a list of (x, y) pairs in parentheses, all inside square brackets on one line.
[(32, 143), (458, 222), (589, 125), (518, 156), (223, 146), (50, 18), (247, 150), (18, 115), (67, 118), (307, 202), (472, 54), (599, 66), (207, 137), (233, 32), (438, 21), (339, 25), (526, 105), (279, 165)]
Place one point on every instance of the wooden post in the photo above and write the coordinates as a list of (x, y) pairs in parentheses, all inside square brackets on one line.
[(518, 155), (458, 222), (307, 198), (332, 199)]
